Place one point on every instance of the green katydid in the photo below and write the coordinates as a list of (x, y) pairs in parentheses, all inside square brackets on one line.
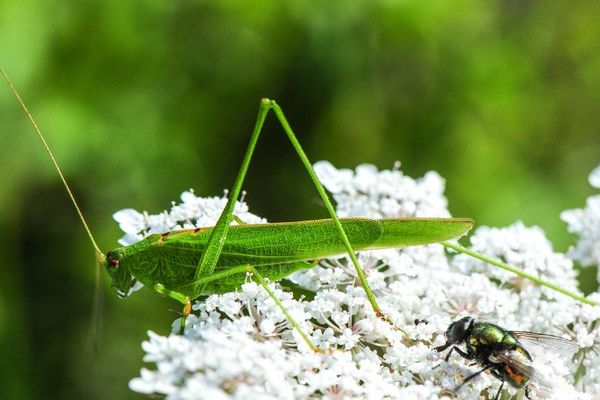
[(187, 264)]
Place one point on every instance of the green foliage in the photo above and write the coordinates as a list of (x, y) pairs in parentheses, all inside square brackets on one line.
[(141, 100)]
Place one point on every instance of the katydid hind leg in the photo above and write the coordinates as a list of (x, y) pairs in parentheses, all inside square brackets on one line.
[(328, 205), (209, 259)]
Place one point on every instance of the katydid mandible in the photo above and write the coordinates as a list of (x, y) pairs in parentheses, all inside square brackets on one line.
[(187, 264)]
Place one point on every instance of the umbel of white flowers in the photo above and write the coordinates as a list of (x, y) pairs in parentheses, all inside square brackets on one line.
[(238, 346)]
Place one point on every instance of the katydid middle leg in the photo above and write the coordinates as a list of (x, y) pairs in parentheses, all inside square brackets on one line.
[(208, 262), (237, 270)]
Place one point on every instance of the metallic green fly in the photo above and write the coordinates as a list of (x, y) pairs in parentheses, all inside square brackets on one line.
[(506, 354)]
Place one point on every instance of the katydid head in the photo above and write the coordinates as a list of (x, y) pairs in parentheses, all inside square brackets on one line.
[(123, 283)]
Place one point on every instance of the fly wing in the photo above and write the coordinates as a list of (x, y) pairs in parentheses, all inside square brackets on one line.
[(539, 342), (521, 366)]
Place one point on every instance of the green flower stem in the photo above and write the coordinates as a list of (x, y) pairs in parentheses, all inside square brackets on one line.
[(517, 271)]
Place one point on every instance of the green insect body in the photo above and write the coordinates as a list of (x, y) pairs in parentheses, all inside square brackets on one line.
[(275, 250), (485, 338)]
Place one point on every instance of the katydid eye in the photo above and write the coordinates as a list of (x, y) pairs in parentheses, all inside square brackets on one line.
[(113, 260)]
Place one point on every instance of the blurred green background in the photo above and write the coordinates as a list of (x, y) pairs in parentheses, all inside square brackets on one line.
[(144, 99)]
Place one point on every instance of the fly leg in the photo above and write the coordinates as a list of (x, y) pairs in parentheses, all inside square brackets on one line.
[(443, 347), (497, 375), (464, 355), (460, 352), (499, 390), (472, 376)]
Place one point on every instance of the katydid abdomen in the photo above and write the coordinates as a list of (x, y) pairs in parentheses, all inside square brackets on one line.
[(275, 250)]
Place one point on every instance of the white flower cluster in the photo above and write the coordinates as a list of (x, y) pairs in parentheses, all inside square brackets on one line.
[(239, 345), (585, 223), (381, 194), (192, 212)]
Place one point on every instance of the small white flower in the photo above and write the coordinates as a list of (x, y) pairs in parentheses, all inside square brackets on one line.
[(324, 339), (348, 339), (340, 317), (267, 326), (129, 220)]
